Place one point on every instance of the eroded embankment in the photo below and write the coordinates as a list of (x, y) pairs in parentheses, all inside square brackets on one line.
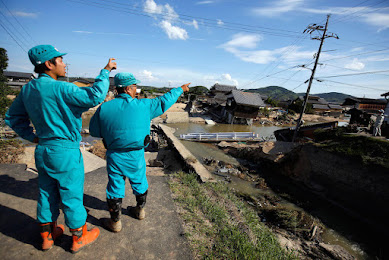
[(348, 185)]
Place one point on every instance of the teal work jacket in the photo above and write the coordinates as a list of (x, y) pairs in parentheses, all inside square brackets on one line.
[(54, 107), (125, 121)]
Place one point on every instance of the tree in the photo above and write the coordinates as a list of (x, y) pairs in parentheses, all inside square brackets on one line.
[(271, 102), (4, 89), (198, 90), (297, 106)]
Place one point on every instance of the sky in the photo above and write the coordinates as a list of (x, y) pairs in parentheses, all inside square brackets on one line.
[(249, 44)]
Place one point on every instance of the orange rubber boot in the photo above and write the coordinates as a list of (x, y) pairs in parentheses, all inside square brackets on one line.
[(83, 237), (49, 232)]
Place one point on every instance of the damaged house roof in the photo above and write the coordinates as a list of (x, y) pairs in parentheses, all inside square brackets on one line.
[(223, 88), (247, 98)]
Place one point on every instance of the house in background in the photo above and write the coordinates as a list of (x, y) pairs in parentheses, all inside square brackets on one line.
[(322, 107), (218, 93), (17, 80), (82, 82), (361, 109), (242, 107), (386, 95)]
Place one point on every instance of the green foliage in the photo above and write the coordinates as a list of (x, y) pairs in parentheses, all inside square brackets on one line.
[(264, 111), (151, 89), (271, 102), (275, 92), (365, 149), (334, 97), (291, 112), (198, 90), (219, 225), (297, 106), (4, 89)]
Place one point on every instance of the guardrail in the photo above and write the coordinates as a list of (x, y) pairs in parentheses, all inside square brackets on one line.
[(219, 136)]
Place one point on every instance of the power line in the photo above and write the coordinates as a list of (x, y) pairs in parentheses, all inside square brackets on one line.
[(358, 54), (14, 34), (292, 48), (1, 24), (353, 85), (206, 24), (202, 18), (342, 19), (18, 21), (354, 74)]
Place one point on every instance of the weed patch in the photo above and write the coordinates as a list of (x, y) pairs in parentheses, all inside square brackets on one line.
[(10, 150), (219, 225)]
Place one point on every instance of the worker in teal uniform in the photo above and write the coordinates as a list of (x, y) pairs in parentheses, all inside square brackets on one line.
[(124, 125), (55, 108)]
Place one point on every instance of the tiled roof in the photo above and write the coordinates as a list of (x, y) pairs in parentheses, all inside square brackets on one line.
[(223, 88), (18, 74), (247, 98), (335, 106)]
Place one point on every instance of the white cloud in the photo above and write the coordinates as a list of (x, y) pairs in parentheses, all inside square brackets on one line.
[(152, 8), (278, 8), (84, 32), (377, 19), (372, 16), (174, 32), (170, 16), (355, 65), (227, 78), (146, 75), (356, 49), (205, 2), (243, 40), (220, 22), (25, 14), (382, 57), (104, 33), (195, 24)]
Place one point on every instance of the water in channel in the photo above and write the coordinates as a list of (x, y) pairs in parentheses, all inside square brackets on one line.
[(201, 150)]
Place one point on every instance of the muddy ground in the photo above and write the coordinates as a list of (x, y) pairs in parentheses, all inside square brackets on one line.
[(326, 185)]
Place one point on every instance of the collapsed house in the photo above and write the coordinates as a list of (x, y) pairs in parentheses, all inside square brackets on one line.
[(242, 107)]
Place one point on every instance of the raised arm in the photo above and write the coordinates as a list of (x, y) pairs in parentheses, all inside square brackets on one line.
[(92, 96), (161, 104)]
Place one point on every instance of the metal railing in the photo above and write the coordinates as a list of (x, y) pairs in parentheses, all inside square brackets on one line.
[(219, 136)]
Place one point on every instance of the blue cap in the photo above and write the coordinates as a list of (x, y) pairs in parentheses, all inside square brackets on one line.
[(124, 79), (41, 53)]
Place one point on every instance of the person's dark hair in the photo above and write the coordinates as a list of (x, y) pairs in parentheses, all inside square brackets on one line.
[(120, 90), (41, 68)]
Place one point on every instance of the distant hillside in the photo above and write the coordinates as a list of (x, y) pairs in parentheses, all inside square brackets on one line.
[(335, 97), (275, 92)]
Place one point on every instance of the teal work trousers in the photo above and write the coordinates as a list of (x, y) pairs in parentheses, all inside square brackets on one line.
[(61, 179), (122, 165)]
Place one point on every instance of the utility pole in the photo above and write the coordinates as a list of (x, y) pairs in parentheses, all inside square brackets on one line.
[(310, 29)]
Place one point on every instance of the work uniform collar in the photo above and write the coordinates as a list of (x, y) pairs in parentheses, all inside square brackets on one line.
[(44, 75), (124, 95)]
